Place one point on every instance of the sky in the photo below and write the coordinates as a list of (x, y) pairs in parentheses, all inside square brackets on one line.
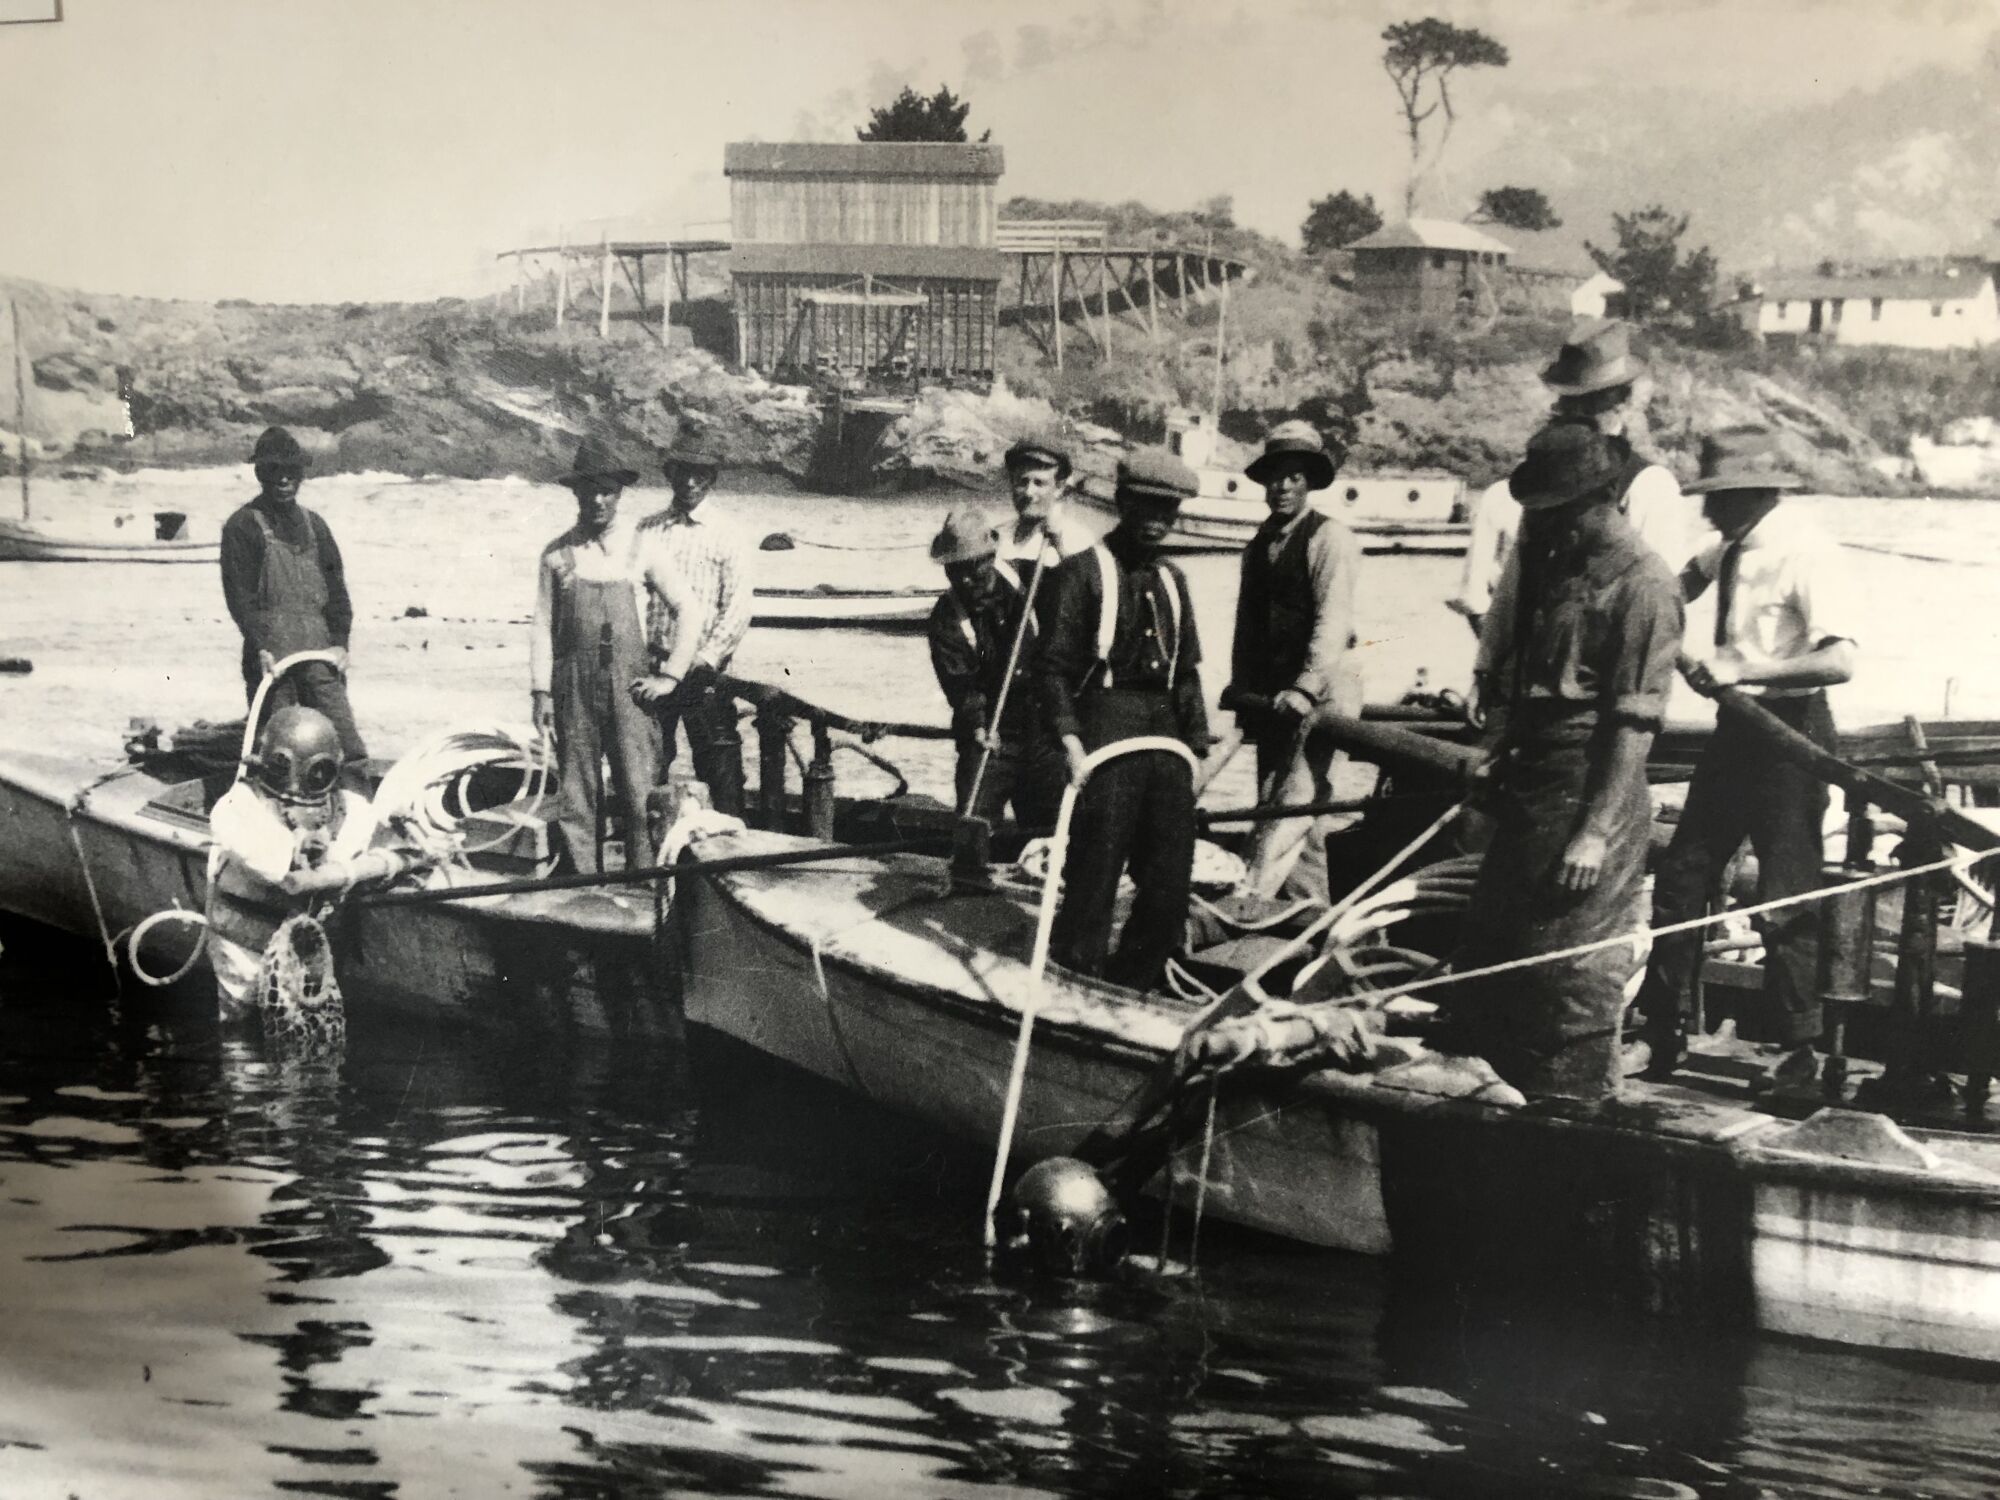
[(328, 150)]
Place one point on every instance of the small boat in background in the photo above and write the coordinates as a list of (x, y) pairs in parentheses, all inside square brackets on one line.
[(853, 608), (1422, 512), (115, 538)]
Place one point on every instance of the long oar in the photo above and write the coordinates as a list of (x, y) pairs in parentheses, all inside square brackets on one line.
[(1905, 802), (584, 881), (1038, 962)]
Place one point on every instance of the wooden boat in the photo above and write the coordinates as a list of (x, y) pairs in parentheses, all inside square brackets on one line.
[(1390, 513), (1692, 1195), (115, 539), (82, 843), (852, 608)]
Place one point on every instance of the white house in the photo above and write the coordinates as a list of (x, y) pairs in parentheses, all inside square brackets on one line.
[(1588, 300), (1952, 309)]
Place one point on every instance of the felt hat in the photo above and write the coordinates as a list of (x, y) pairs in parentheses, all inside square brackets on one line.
[(1565, 461), (1596, 356), (595, 461), (965, 537), (278, 447), (1294, 441), (694, 448), (1041, 448), (1741, 458), (1155, 474)]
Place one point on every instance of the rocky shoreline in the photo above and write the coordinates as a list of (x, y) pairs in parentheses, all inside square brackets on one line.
[(473, 390)]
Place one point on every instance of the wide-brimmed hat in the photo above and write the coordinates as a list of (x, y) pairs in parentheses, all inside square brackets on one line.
[(694, 448), (1565, 461), (1039, 449), (1596, 356), (1742, 458), (277, 447), (595, 461), (966, 536), (1294, 442), (1156, 474)]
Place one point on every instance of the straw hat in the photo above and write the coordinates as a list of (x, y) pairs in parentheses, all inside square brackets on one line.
[(1294, 440)]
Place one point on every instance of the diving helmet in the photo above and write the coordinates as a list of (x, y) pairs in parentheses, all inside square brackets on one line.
[(298, 755), (1064, 1221)]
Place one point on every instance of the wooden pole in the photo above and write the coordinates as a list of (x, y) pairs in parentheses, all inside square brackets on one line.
[(604, 290), (1152, 297), (520, 286), (1055, 304), (1221, 348), (667, 301), (1104, 296), (562, 279), (20, 406)]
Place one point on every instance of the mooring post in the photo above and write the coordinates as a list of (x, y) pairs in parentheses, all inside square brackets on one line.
[(819, 785), (773, 740), (1904, 1062), (1847, 942)]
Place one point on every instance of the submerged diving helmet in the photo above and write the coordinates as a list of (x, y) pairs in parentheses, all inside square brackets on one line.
[(297, 758), (1063, 1222)]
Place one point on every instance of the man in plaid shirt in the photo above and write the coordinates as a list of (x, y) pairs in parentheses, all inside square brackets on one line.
[(710, 558)]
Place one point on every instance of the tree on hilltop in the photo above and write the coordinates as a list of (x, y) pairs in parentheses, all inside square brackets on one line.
[(1662, 282), (912, 117), (1339, 219), (1420, 58), (1516, 208)]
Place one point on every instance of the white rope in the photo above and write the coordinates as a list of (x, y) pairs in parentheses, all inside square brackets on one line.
[(138, 936), (1201, 1178), (1887, 877)]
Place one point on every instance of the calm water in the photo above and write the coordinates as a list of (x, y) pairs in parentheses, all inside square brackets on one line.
[(463, 1267)]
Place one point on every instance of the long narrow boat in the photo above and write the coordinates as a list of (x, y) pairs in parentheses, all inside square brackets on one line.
[(116, 539), (94, 851), (829, 605), (1390, 513), (875, 974)]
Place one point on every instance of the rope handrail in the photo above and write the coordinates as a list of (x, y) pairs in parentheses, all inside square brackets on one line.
[(1691, 924)]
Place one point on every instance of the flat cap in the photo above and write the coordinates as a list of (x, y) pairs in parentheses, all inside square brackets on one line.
[(1156, 474), (1036, 448)]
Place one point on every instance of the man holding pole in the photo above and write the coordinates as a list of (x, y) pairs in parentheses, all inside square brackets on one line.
[(1600, 624), (1041, 533), (1294, 632), (1782, 637), (1119, 659), (982, 640)]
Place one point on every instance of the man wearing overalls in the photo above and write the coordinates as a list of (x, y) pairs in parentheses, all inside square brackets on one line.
[(587, 649), (1598, 631), (1119, 659), (286, 589)]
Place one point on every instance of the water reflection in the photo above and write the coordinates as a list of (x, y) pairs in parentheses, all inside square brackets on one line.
[(461, 1267)]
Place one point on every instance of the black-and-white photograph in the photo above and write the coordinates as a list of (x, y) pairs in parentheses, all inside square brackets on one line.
[(1068, 748)]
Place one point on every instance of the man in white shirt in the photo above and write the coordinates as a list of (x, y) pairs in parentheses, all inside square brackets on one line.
[(1594, 377), (1042, 532), (1783, 635), (696, 563)]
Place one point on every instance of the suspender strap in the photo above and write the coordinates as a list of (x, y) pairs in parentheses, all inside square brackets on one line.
[(1107, 610)]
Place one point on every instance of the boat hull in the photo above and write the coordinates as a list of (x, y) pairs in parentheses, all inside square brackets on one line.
[(1208, 524), (869, 974), (870, 609), (585, 962), (21, 542)]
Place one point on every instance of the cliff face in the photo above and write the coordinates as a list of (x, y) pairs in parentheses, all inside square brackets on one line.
[(466, 390)]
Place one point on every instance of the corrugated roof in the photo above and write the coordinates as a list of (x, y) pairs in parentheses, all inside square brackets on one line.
[(1431, 234), (864, 158), (1893, 288)]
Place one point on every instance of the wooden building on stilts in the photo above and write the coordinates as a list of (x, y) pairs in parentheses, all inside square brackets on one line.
[(865, 263)]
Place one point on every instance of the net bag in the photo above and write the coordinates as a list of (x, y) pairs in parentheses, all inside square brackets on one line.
[(298, 996)]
